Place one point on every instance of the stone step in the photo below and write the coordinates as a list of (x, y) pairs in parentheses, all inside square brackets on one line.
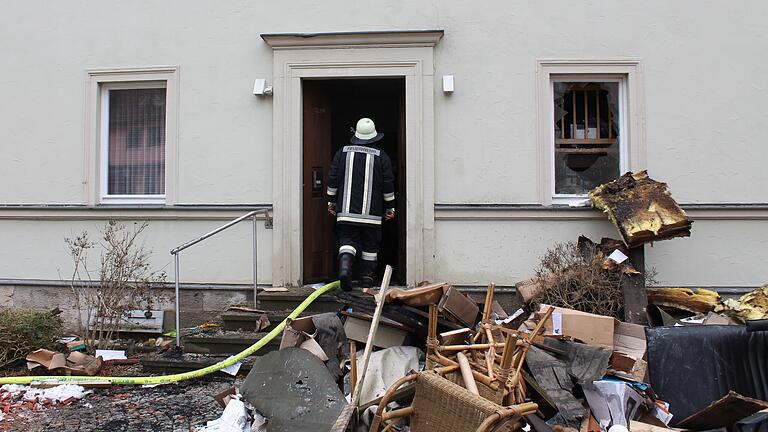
[(288, 300), (226, 342), (235, 320), (277, 306), (165, 364)]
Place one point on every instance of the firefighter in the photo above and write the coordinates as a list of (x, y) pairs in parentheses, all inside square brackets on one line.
[(361, 192)]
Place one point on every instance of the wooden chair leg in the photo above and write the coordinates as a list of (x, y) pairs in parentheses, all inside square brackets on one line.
[(488, 306), (353, 366), (432, 342)]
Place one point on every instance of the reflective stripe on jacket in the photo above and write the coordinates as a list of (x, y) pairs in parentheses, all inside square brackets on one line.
[(361, 184)]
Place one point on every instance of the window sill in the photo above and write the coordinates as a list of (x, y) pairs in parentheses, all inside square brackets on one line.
[(158, 200), (570, 201)]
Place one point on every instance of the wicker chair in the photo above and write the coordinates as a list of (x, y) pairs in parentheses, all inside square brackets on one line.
[(440, 405), (499, 383)]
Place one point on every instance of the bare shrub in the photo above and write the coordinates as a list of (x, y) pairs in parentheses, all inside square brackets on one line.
[(121, 283), (573, 276)]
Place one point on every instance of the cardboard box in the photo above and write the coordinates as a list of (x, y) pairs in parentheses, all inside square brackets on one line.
[(357, 326), (591, 329), (625, 339), (596, 330), (301, 333), (629, 347), (627, 367), (455, 337), (459, 306)]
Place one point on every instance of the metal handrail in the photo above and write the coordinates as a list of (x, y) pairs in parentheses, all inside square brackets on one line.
[(175, 252)]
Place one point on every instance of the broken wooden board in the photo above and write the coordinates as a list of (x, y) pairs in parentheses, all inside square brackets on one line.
[(419, 296), (699, 301), (724, 412), (459, 306), (642, 209)]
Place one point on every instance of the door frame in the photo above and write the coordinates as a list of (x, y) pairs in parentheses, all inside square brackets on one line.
[(407, 54)]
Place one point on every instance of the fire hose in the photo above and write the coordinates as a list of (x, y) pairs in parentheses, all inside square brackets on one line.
[(166, 379)]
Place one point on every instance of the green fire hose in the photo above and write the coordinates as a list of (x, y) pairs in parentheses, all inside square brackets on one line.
[(166, 379)]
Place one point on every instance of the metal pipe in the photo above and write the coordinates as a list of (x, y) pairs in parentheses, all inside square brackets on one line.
[(178, 249), (255, 264), (176, 278)]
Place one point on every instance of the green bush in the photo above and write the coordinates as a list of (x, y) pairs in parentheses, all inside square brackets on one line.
[(22, 331)]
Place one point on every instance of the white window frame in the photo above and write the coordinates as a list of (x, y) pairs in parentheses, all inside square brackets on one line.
[(631, 126), (105, 196), (100, 82)]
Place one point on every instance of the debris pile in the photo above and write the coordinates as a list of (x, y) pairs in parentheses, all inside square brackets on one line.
[(581, 353)]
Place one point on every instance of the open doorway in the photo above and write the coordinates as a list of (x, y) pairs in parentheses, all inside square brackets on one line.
[(331, 108)]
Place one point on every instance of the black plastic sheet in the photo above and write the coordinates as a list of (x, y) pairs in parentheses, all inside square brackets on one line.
[(691, 367)]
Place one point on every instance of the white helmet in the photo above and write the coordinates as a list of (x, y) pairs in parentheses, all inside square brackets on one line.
[(365, 132)]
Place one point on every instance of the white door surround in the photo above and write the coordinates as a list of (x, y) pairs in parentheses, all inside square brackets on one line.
[(407, 54)]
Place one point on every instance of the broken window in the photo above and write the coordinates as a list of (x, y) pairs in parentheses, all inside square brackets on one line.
[(134, 141), (587, 134)]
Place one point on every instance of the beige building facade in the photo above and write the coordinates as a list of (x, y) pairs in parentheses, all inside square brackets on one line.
[(504, 113)]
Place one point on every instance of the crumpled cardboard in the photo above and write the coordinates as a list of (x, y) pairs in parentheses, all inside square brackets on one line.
[(48, 359), (301, 333), (77, 363)]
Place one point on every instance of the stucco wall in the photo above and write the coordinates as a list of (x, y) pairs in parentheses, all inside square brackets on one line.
[(720, 253), (704, 118), (36, 250), (704, 110)]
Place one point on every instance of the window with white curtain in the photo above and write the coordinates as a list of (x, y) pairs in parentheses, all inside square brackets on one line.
[(133, 135)]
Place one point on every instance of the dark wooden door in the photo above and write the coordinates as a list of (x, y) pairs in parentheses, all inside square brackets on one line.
[(401, 201), (319, 242)]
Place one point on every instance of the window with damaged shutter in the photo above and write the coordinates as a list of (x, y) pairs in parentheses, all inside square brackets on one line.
[(588, 136)]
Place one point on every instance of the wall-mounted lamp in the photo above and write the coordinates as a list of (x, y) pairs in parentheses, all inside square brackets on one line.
[(260, 87), (447, 83)]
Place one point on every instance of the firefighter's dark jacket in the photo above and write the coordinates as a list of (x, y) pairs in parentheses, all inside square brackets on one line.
[(361, 184)]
